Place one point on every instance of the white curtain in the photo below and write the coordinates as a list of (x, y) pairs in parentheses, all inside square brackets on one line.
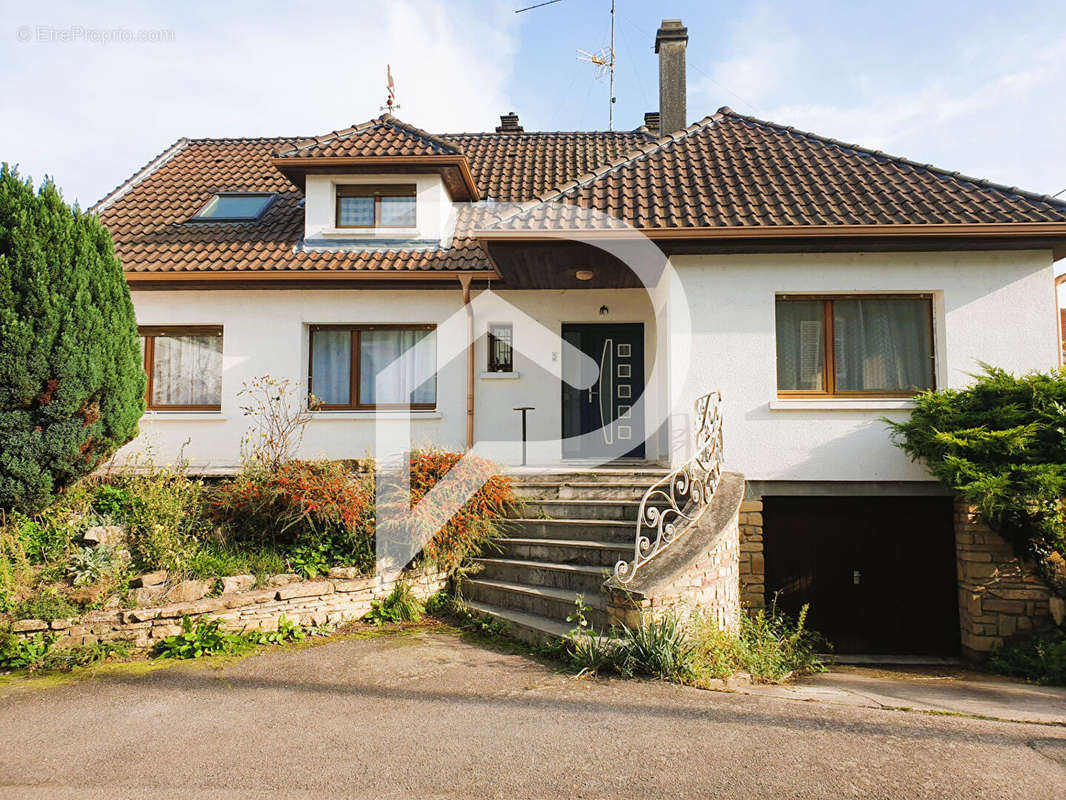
[(398, 367), (331, 364), (882, 345), (187, 371), (800, 349)]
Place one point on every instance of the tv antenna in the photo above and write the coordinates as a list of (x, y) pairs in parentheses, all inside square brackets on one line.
[(390, 87), (603, 60)]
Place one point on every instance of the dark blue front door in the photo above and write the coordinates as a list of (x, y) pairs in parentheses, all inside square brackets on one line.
[(603, 420)]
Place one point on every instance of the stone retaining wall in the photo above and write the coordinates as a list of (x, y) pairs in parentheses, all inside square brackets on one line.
[(1000, 596), (752, 564), (700, 570), (305, 602)]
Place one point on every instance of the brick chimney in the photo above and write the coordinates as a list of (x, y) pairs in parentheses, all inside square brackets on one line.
[(670, 42), (652, 123), (509, 123)]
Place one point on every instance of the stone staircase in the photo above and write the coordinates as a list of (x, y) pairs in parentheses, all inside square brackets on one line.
[(574, 528)]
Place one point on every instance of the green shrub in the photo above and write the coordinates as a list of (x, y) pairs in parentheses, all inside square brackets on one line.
[(1001, 444), (71, 375), (162, 510), (24, 653), (87, 565), (1041, 659), (319, 513), (401, 605), (692, 649), (39, 653), (48, 605), (205, 637), (112, 502)]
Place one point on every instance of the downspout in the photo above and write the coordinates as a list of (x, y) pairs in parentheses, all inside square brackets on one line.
[(464, 280)]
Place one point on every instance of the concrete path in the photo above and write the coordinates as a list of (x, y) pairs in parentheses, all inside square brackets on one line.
[(431, 715), (949, 690)]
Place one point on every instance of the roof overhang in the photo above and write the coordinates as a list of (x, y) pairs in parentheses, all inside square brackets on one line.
[(454, 170), (998, 236), (298, 279)]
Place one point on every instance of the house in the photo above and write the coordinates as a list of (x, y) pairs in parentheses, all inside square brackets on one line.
[(816, 285)]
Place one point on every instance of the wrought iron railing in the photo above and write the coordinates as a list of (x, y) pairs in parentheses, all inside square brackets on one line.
[(673, 503)]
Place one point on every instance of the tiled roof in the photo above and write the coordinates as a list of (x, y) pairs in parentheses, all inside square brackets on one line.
[(384, 136), (731, 170), (512, 167), (726, 171), (150, 227)]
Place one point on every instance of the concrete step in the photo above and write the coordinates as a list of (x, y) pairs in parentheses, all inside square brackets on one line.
[(525, 627), (608, 510), (565, 551), (543, 601), (589, 530), (574, 577), (583, 490)]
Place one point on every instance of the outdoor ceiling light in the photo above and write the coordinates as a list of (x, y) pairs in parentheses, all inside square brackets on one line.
[(584, 274)]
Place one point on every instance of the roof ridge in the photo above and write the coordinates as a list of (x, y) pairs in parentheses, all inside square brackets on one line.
[(139, 175), (959, 176), (510, 135), (353, 130), (626, 158), (325, 138), (396, 122)]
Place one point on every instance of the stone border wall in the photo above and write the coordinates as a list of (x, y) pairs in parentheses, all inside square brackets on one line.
[(304, 602), (1000, 596), (752, 563)]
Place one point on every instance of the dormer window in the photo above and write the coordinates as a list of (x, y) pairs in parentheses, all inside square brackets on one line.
[(376, 206), (235, 207)]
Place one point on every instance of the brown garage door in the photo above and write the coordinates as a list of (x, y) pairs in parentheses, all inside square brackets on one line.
[(878, 572)]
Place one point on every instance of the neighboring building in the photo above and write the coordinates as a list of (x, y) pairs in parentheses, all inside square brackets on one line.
[(817, 285)]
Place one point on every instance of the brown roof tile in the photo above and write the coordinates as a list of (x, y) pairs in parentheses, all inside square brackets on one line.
[(725, 171), (731, 170), (384, 136)]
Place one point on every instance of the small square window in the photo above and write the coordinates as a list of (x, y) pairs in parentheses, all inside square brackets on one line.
[(501, 350), (624, 391), (625, 350), (376, 206), (625, 412), (235, 206), (625, 371)]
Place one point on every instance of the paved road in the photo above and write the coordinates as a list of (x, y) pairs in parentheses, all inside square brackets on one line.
[(429, 715)]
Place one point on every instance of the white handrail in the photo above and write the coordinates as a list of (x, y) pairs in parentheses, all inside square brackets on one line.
[(674, 502)]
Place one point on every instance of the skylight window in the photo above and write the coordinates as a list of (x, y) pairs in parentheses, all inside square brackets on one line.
[(235, 206)]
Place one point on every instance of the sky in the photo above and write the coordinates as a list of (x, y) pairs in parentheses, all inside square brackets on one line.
[(91, 92)]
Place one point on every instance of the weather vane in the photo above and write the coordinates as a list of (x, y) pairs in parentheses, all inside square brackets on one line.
[(390, 101)]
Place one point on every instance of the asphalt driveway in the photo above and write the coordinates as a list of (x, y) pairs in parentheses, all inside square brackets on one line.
[(431, 715)]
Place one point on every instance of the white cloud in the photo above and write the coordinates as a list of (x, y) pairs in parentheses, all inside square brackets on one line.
[(90, 114), (989, 109)]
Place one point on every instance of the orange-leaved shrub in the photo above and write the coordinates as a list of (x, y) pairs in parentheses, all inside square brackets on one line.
[(322, 514)]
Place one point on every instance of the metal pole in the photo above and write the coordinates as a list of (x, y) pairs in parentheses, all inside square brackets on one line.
[(523, 410), (610, 115)]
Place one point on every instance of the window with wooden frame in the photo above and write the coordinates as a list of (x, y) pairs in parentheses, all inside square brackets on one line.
[(184, 367), (854, 345), (384, 205), (373, 366), (501, 350)]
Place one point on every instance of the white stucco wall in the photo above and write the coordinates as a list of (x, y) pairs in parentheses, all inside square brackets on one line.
[(267, 332), (993, 307)]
